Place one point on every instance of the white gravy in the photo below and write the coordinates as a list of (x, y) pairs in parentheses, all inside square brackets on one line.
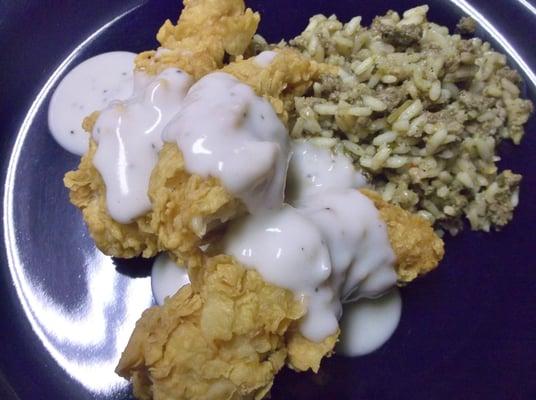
[(361, 254), (226, 131), (368, 323), (90, 86), (288, 251), (315, 169), (333, 248), (167, 277), (265, 58), (128, 134)]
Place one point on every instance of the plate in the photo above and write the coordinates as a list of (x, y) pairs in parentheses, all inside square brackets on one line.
[(468, 330)]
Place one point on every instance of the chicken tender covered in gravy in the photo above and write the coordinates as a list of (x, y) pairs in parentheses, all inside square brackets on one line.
[(228, 333)]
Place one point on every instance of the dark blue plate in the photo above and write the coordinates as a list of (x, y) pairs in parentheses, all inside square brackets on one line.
[(468, 330)]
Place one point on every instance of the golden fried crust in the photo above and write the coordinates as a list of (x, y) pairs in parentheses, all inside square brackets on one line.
[(304, 354), (185, 206), (417, 248), (207, 29), (224, 342), (88, 193)]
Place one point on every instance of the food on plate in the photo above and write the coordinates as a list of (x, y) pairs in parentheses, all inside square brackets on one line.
[(88, 193), (228, 333), (206, 29), (186, 205), (225, 340), (288, 180), (420, 110), (166, 200), (270, 291)]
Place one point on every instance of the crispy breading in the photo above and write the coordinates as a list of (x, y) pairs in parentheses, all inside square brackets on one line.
[(227, 334), (205, 32), (417, 248), (304, 354), (185, 206), (235, 308), (224, 342)]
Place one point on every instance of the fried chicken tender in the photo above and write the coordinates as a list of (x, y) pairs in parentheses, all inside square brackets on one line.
[(205, 31), (88, 193), (186, 206), (417, 248), (225, 341), (227, 334)]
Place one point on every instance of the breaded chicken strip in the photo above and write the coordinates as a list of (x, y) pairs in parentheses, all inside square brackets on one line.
[(227, 334), (205, 30), (88, 193), (417, 248), (225, 341), (186, 206)]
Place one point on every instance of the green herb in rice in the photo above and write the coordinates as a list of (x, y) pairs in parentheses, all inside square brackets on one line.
[(420, 111)]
